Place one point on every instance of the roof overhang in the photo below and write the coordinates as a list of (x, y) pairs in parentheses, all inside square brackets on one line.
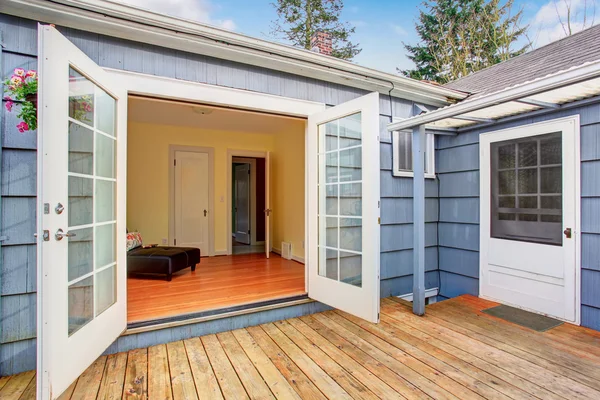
[(552, 92), (132, 23)]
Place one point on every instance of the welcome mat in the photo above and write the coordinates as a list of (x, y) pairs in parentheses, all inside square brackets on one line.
[(524, 318)]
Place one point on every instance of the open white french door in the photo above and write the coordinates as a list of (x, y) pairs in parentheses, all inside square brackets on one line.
[(343, 207), (81, 233)]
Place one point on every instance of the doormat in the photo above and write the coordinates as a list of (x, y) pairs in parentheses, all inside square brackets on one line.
[(524, 318)]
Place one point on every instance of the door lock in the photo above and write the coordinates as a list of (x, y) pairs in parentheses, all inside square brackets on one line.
[(59, 235), (567, 233), (59, 208)]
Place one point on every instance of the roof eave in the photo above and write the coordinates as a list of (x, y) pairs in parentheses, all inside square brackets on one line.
[(115, 19), (571, 76)]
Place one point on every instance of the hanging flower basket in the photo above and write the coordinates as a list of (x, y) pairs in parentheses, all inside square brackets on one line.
[(23, 87)]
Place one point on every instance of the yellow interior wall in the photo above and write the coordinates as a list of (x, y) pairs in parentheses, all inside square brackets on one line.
[(148, 179)]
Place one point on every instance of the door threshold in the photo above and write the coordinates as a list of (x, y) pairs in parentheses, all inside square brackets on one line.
[(218, 313)]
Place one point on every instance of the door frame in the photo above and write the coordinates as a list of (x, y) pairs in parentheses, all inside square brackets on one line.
[(211, 190), (252, 162), (523, 131), (241, 154)]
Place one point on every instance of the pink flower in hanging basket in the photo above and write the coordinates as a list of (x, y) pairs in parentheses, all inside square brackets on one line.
[(19, 72), (9, 103), (32, 73), (16, 80), (22, 127)]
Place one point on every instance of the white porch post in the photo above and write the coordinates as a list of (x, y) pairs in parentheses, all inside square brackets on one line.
[(418, 156)]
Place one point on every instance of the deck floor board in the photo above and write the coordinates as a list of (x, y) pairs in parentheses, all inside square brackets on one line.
[(454, 352)]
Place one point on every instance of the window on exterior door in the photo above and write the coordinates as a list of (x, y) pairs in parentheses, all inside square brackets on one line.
[(526, 189), (402, 155)]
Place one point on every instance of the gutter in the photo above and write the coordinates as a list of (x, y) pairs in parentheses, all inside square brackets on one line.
[(131, 23), (557, 80)]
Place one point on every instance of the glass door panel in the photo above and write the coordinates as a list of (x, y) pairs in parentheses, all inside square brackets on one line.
[(340, 199), (92, 198)]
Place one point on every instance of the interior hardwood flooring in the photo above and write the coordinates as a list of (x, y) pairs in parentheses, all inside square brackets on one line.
[(453, 352), (218, 282)]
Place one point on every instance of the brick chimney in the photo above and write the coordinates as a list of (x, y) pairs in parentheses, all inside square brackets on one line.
[(321, 42)]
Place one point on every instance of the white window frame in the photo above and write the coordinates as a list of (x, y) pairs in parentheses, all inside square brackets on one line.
[(430, 157)]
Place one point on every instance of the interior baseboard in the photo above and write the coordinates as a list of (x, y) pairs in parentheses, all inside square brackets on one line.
[(294, 258), (220, 252)]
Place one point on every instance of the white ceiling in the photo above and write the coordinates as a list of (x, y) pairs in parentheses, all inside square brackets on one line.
[(164, 112)]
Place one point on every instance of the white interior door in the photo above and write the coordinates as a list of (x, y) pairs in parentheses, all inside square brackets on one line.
[(191, 200), (81, 212), (343, 207), (529, 223), (268, 244), (242, 203)]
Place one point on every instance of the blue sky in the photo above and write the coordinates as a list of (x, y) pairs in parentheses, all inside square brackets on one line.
[(381, 25)]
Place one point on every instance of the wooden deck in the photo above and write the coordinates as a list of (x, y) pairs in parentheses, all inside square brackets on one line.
[(454, 352)]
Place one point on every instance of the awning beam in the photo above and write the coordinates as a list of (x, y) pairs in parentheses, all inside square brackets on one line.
[(418, 155), (474, 119), (543, 104)]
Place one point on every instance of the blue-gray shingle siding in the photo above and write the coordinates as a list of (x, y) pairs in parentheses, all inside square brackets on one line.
[(458, 171), (18, 219)]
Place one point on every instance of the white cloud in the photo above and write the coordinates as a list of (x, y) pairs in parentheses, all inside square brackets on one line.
[(399, 30), (196, 10), (550, 22)]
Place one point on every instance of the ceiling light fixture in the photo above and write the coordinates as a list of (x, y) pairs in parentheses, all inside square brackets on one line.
[(202, 111)]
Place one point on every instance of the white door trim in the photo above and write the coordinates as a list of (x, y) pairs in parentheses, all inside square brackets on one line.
[(211, 190), (241, 154), (570, 126), (177, 89)]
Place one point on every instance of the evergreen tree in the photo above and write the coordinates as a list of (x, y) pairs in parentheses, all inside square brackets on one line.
[(298, 20), (458, 37)]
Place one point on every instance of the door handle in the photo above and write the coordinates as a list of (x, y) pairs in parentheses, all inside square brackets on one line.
[(59, 235), (568, 233)]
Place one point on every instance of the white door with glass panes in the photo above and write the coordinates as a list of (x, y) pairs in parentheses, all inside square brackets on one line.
[(81, 231), (343, 207), (529, 217)]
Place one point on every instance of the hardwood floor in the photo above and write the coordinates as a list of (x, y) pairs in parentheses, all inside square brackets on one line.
[(217, 282), (453, 352)]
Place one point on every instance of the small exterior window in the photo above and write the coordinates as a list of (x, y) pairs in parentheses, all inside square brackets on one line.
[(402, 154)]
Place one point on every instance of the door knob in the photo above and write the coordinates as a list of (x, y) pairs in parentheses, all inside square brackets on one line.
[(59, 235), (567, 233)]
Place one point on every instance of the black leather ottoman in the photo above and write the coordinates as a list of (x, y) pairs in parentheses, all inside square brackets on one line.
[(162, 260)]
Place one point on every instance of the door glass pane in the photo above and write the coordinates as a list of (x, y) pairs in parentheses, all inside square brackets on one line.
[(80, 200), (105, 156), (340, 200), (81, 149), (530, 168), (351, 268), (81, 253), (105, 245), (105, 201), (106, 289), (81, 304), (92, 246), (81, 98)]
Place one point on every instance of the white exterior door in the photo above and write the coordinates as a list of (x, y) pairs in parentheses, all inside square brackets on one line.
[(81, 212), (343, 207), (242, 203), (529, 217), (191, 200)]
